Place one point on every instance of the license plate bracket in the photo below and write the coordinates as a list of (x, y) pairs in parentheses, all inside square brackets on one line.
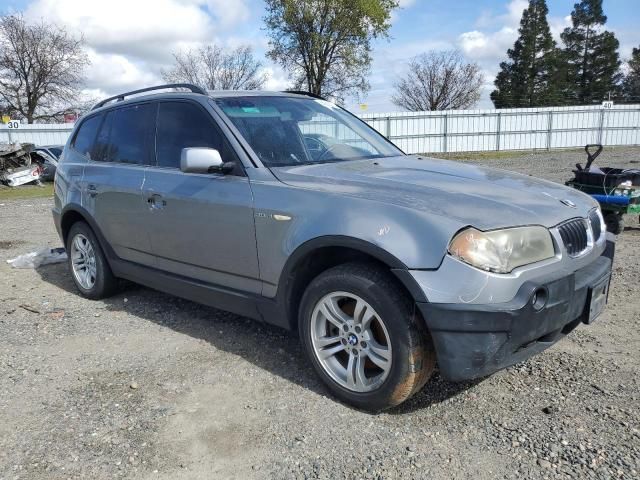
[(597, 299)]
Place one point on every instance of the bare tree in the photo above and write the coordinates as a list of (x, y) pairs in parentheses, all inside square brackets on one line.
[(41, 68), (214, 68), (439, 81)]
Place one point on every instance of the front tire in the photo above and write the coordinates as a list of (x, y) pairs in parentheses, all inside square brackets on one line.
[(89, 268), (361, 334)]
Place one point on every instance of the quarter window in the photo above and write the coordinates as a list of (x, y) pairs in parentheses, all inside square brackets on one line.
[(184, 125)]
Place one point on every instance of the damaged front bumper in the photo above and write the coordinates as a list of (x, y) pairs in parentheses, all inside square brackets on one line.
[(475, 340)]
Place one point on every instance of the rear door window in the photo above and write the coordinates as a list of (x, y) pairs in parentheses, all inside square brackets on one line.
[(184, 125), (127, 135), (86, 135)]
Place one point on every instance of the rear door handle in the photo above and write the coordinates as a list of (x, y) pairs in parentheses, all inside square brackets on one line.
[(92, 189)]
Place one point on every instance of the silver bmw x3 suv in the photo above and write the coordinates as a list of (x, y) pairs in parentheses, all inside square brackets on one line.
[(287, 209)]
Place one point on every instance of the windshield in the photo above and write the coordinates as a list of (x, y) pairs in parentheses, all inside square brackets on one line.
[(286, 131)]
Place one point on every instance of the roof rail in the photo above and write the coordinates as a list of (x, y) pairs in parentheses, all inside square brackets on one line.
[(120, 98), (308, 94)]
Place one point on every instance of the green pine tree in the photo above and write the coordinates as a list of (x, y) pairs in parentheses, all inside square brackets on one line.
[(631, 85), (527, 78), (590, 56)]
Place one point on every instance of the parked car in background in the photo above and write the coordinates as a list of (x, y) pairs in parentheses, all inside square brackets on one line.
[(286, 208), (48, 157), (17, 166)]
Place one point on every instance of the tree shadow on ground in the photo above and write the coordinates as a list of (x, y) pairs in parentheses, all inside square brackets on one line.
[(269, 348)]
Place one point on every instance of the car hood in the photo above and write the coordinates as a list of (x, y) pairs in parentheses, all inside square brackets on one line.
[(473, 195)]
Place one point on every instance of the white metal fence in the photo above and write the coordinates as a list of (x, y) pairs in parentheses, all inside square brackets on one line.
[(40, 134), (509, 129), (459, 130)]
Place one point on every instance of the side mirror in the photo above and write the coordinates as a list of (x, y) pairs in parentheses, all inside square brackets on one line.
[(204, 160)]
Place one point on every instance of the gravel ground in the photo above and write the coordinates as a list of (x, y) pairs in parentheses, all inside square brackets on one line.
[(145, 385)]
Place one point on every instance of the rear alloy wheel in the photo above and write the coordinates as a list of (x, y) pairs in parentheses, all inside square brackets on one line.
[(89, 268), (363, 338), (83, 261)]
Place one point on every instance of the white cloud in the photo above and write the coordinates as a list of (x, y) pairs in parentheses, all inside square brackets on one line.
[(493, 45), (143, 28), (228, 12), (278, 79), (479, 46), (514, 12), (557, 26), (130, 41), (494, 35), (113, 73)]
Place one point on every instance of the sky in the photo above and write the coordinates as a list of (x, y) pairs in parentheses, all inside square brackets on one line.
[(129, 42)]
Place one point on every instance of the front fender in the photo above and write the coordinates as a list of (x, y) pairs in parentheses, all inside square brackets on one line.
[(289, 217)]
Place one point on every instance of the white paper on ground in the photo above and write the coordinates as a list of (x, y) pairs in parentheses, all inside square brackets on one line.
[(44, 256)]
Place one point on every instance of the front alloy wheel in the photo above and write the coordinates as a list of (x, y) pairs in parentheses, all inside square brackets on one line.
[(351, 342), (363, 337)]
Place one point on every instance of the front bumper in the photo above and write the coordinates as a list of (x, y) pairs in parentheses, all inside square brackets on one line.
[(475, 340)]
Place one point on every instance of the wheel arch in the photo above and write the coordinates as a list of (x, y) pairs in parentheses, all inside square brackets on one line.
[(75, 213), (319, 254)]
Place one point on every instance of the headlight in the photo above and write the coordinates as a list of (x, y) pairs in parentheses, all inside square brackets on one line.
[(501, 251), (603, 225)]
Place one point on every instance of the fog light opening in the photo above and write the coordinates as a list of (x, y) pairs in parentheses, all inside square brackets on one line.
[(539, 298)]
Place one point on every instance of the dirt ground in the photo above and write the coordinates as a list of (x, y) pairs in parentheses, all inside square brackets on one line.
[(145, 385)]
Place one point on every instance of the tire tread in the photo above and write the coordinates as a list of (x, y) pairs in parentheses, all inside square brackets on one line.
[(421, 358), (105, 286)]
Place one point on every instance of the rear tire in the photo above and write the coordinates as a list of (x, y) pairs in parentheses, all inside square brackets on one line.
[(89, 268), (373, 353)]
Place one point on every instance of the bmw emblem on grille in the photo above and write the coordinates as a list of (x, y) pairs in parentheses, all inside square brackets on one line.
[(568, 203)]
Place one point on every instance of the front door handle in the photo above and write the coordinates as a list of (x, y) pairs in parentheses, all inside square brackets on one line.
[(156, 202)]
